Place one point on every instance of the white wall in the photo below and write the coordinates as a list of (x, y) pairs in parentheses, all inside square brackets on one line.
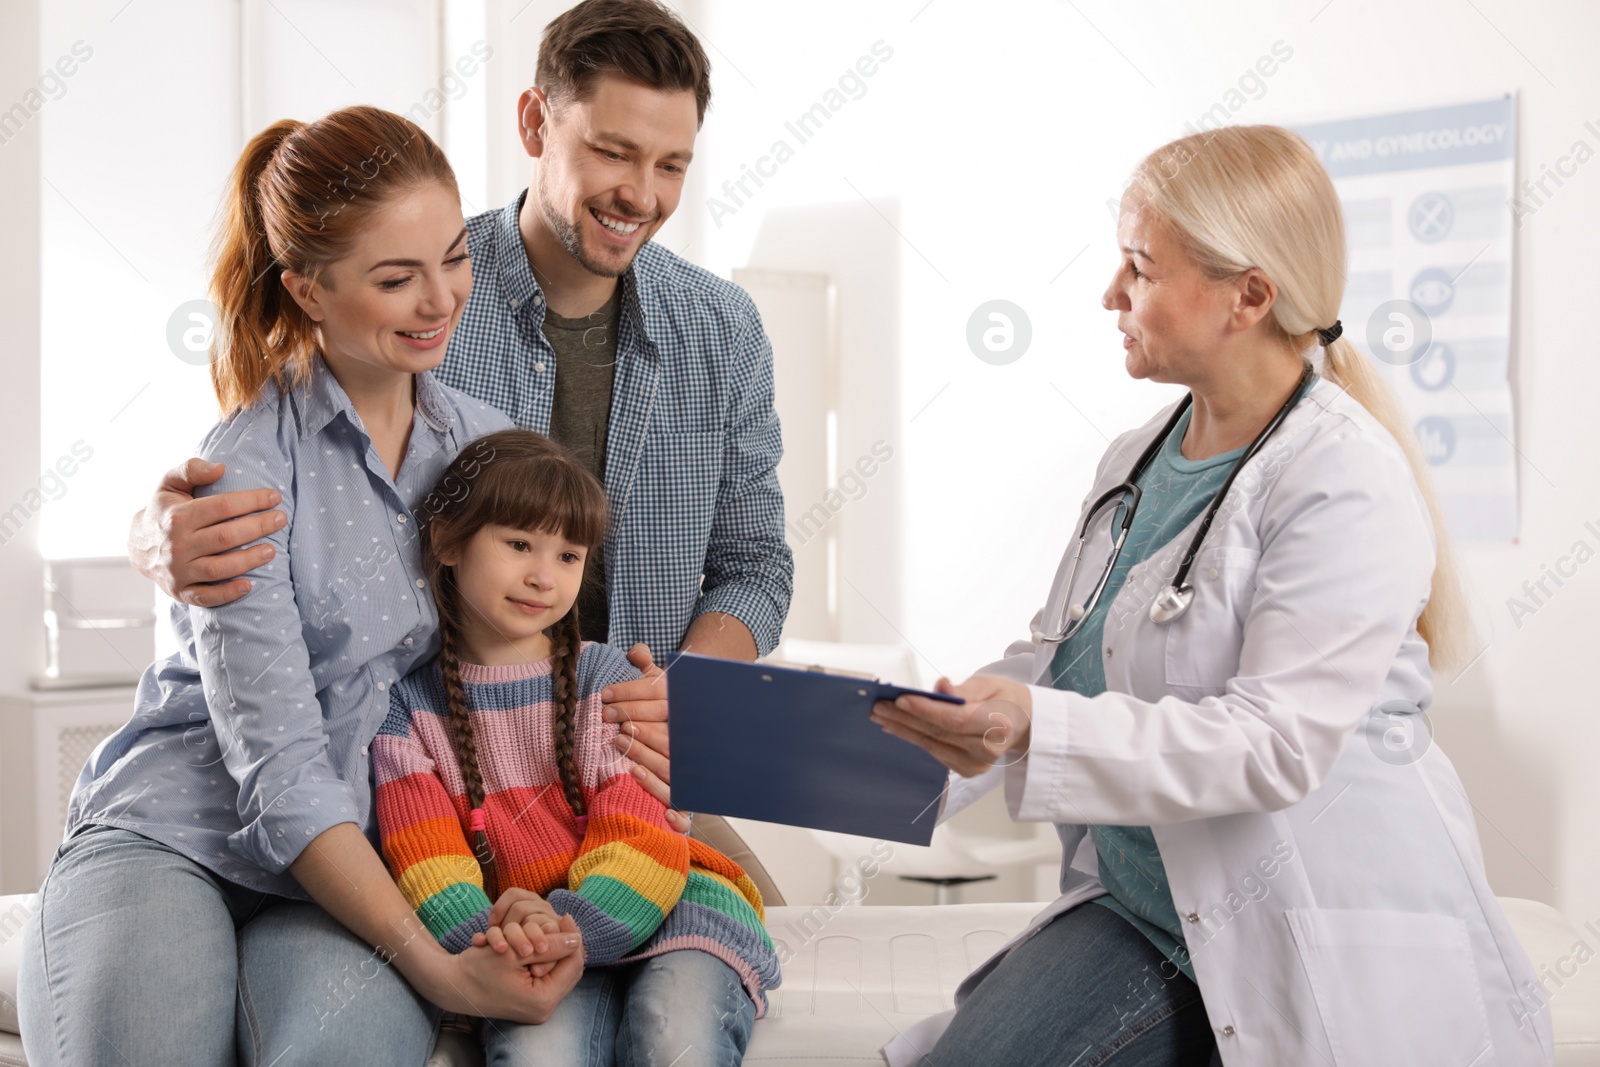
[(999, 132), (21, 570), (126, 215), (847, 241), (136, 150)]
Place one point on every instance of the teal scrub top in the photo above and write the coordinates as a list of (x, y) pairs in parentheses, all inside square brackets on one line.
[(1175, 492)]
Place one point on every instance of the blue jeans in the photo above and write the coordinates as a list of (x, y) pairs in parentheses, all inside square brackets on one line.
[(137, 954), (683, 1008), (1088, 989)]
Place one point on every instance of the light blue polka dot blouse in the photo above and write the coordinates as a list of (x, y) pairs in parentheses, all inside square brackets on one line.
[(252, 740)]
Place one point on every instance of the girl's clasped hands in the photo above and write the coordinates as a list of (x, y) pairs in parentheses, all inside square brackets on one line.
[(522, 922)]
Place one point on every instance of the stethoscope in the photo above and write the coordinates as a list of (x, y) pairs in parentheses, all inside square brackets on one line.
[(1173, 600)]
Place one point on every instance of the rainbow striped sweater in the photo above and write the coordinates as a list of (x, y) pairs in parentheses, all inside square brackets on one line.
[(635, 887)]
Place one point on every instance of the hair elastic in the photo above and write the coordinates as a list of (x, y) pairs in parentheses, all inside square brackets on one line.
[(483, 852), (1331, 334)]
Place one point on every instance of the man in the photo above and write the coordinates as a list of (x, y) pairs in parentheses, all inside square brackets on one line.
[(655, 372)]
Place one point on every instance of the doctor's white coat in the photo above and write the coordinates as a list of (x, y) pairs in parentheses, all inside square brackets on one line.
[(1320, 848)]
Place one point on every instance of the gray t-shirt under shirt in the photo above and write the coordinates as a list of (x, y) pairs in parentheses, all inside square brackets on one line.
[(580, 416)]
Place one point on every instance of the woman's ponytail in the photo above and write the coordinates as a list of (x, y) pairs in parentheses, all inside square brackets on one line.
[(256, 318), (1444, 623)]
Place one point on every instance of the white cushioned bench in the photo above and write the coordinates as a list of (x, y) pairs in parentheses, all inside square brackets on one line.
[(853, 977)]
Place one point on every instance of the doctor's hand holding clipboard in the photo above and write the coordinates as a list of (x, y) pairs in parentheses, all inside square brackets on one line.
[(992, 727)]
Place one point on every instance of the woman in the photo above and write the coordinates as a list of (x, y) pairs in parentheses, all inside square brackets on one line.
[(219, 894), (1283, 870)]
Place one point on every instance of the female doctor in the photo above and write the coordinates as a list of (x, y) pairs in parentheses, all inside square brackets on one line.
[(1266, 861)]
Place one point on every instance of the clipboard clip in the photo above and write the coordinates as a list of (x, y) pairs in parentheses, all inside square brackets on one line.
[(817, 668)]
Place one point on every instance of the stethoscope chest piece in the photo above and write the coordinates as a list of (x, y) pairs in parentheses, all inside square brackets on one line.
[(1171, 602)]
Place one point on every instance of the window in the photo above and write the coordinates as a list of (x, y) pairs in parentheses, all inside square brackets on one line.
[(138, 141)]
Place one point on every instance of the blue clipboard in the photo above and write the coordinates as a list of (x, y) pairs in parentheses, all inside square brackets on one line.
[(797, 747)]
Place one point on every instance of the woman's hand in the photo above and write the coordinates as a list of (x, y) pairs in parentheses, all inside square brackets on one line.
[(342, 872), (641, 707), (993, 726), (521, 921), (483, 982)]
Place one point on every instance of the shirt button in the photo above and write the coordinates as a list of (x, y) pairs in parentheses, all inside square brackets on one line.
[(1228, 1031), (363, 750), (516, 302), (408, 640), (539, 366), (1212, 573), (421, 583), (402, 518), (1193, 917), (1108, 652)]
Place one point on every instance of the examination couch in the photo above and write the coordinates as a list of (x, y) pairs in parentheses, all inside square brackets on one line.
[(853, 976)]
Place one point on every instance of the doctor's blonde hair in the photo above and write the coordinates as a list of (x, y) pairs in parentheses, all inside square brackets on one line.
[(1256, 197)]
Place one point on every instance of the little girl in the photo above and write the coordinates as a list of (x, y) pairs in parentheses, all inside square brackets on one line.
[(498, 780)]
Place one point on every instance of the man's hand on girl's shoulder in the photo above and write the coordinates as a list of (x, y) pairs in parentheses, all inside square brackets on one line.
[(640, 707)]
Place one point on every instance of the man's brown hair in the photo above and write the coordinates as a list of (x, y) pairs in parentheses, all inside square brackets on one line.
[(640, 40)]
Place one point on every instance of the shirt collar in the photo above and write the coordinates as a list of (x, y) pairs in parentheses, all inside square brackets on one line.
[(519, 287), (517, 283), (432, 405), (321, 399)]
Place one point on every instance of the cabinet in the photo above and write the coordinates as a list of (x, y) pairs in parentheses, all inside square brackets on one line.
[(45, 737)]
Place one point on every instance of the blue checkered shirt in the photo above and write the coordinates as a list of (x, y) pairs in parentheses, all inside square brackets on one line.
[(693, 448)]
